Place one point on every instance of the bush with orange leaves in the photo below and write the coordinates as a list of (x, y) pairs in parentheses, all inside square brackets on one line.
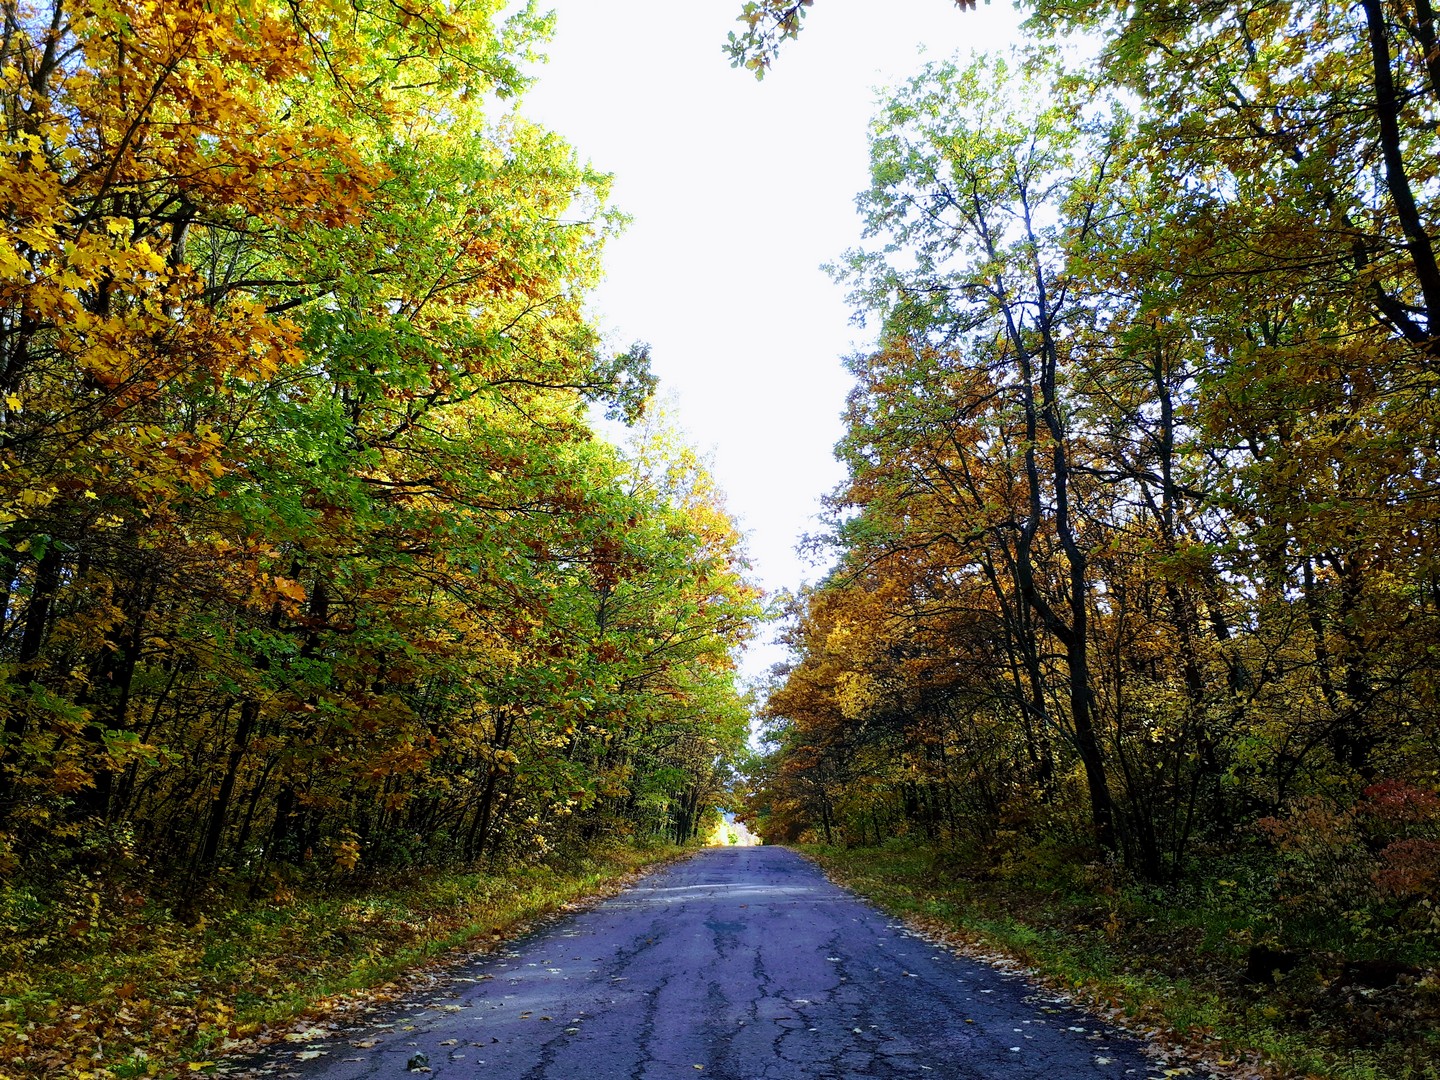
[(1369, 871)]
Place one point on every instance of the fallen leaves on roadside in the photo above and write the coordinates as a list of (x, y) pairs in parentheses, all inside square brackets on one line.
[(164, 998)]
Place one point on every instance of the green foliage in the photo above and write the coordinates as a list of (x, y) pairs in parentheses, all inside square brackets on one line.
[(344, 578), (1134, 562), (312, 565)]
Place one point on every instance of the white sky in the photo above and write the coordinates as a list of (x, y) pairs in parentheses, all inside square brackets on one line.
[(739, 191)]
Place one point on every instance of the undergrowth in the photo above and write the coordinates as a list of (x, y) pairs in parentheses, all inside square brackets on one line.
[(149, 988), (1176, 963)]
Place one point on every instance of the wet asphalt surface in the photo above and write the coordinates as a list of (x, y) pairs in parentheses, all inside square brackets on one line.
[(737, 964)]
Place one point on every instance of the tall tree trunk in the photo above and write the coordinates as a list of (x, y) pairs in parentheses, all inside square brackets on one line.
[(219, 809)]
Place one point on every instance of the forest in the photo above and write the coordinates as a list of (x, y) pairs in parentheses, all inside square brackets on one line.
[(314, 563), (341, 551), (1134, 579), (311, 553)]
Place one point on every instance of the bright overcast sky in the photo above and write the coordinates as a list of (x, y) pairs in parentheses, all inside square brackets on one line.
[(739, 191)]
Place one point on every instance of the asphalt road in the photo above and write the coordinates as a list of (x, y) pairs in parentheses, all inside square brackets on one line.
[(737, 964)]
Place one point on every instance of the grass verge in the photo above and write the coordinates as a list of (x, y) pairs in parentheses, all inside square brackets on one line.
[(151, 995), (1171, 973)]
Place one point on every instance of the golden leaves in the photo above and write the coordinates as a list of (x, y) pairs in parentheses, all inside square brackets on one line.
[(295, 468)]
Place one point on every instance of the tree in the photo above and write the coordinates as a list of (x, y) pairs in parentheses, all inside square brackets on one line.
[(968, 198), (1140, 433), (313, 557)]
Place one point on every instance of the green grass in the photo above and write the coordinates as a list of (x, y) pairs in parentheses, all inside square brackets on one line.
[(139, 991), (1169, 966)]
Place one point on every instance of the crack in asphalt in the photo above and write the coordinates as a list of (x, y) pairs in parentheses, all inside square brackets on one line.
[(738, 964)]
